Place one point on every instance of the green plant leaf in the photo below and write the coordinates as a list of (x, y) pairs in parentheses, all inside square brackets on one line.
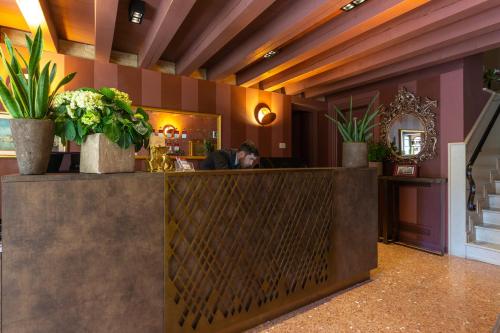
[(8, 101), (123, 106), (42, 93), (35, 53), (112, 131), (16, 85), (13, 62), (29, 43), (125, 140), (53, 72), (61, 83), (69, 130), (143, 113), (110, 94)]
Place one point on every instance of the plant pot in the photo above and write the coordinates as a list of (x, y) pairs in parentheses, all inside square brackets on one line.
[(377, 165), (354, 155), (33, 139), (100, 155)]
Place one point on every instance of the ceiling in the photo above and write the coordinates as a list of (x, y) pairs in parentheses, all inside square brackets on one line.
[(320, 48)]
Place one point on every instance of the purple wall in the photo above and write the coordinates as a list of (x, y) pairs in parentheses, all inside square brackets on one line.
[(457, 86)]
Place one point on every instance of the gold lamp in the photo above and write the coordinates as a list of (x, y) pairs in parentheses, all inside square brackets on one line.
[(264, 115)]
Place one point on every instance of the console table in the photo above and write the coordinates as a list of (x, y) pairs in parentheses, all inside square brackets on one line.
[(389, 221)]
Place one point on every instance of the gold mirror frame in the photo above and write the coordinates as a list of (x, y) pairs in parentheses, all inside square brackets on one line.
[(407, 103)]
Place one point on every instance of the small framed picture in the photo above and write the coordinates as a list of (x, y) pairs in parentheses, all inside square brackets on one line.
[(183, 165), (405, 170), (7, 147)]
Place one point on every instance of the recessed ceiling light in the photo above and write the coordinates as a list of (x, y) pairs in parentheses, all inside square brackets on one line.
[(136, 11), (270, 54), (358, 2), (348, 7)]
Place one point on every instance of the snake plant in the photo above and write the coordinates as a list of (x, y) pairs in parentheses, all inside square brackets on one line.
[(28, 97), (350, 128)]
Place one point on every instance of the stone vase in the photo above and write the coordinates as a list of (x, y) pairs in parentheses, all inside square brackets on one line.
[(354, 155), (33, 139), (377, 165), (100, 155)]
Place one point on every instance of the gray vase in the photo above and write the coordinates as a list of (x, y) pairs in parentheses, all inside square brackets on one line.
[(33, 139), (101, 155), (354, 155)]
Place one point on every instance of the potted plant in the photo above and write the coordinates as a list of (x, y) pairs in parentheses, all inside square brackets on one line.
[(355, 132), (103, 123), (26, 94), (377, 154)]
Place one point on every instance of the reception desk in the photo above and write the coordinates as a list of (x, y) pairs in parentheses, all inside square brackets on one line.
[(217, 251)]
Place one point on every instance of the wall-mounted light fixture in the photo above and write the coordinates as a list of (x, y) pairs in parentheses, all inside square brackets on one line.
[(351, 5), (263, 114), (136, 11)]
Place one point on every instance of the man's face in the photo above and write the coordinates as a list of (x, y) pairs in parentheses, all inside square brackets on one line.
[(246, 160)]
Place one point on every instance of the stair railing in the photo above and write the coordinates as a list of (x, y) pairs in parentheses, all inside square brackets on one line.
[(472, 185)]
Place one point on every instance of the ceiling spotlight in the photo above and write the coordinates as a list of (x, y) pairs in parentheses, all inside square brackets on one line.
[(351, 5), (348, 7), (136, 11), (270, 54)]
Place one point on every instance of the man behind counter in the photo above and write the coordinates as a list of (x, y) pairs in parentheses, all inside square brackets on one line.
[(243, 158)]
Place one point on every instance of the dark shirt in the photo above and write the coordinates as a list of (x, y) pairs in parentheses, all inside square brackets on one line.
[(220, 159)]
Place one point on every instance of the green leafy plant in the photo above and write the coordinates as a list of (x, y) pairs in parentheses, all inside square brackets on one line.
[(86, 111), (491, 75), (29, 97), (350, 128), (378, 152), (209, 146)]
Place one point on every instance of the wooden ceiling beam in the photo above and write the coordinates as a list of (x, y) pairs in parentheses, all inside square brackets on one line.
[(299, 16), (456, 51), (310, 104), (233, 18), (104, 29), (37, 13), (169, 17), (461, 30), (429, 17), (331, 34)]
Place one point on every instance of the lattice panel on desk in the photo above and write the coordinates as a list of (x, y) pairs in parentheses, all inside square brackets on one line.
[(237, 242)]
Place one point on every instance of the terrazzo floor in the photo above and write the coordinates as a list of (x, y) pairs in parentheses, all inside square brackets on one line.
[(410, 291)]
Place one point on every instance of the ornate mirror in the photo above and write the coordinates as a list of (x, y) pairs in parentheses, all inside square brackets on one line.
[(409, 127)]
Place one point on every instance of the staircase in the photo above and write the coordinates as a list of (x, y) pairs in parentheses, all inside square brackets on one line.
[(483, 231)]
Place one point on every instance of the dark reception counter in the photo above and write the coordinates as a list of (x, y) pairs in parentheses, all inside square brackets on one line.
[(216, 251)]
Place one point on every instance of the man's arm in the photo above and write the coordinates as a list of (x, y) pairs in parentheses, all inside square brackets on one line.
[(221, 160)]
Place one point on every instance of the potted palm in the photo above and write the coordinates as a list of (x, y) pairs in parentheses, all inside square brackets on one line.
[(103, 122), (377, 154), (27, 99), (355, 133)]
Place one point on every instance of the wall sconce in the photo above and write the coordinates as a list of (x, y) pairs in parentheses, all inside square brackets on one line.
[(168, 131), (136, 11), (263, 114)]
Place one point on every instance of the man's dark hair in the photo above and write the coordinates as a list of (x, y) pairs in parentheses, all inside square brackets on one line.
[(249, 147)]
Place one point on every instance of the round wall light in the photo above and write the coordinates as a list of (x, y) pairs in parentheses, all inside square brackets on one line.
[(263, 114)]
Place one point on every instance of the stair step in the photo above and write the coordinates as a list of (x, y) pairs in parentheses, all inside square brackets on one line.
[(491, 246), (489, 233), (483, 251), (497, 186), (494, 200), (491, 216)]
